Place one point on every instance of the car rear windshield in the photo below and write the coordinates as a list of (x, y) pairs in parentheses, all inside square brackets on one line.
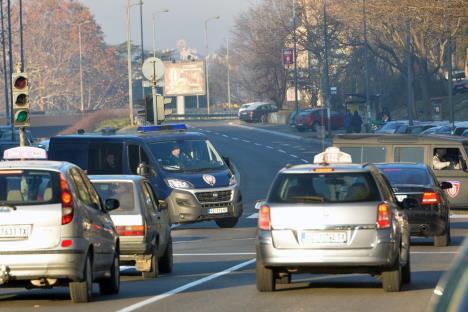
[(413, 176), (122, 191), (324, 187), (29, 187)]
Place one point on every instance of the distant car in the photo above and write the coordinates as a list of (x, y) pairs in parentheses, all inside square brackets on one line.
[(444, 130), (465, 133), (416, 129), (391, 126), (331, 218), (141, 221), (429, 214), (451, 293), (257, 112), (311, 119), (460, 130), (55, 230), (243, 108)]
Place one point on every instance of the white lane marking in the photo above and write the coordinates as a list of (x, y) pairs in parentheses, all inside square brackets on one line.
[(459, 216), (294, 156), (253, 216), (258, 144), (281, 151), (225, 136), (289, 136), (216, 254), (177, 290), (306, 161), (234, 138), (208, 131), (270, 147), (246, 141)]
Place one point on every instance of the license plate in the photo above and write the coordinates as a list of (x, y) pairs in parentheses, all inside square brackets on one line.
[(217, 210), (14, 231), (401, 197), (323, 237)]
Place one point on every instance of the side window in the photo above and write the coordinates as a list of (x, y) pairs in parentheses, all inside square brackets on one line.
[(148, 199), (447, 158), (386, 188), (136, 155), (409, 154), (93, 195), (80, 187), (105, 158), (366, 154)]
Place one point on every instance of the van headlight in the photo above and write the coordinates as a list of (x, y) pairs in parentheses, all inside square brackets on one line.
[(232, 180), (179, 184)]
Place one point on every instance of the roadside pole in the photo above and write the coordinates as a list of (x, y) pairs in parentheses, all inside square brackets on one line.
[(153, 92)]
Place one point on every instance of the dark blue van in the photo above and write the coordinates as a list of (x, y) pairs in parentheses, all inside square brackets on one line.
[(185, 169)]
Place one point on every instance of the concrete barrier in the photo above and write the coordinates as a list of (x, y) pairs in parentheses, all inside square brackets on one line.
[(280, 117)]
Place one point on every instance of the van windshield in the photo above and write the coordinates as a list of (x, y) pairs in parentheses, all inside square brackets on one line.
[(187, 155)]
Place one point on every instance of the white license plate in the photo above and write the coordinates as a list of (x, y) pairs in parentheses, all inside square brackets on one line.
[(14, 231), (217, 210), (401, 197), (323, 237)]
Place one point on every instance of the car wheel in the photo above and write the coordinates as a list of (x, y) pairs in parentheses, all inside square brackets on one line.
[(154, 271), (167, 261), (83, 291), (441, 240), (227, 222), (406, 271), (316, 127), (265, 278), (111, 285), (392, 279), (284, 278)]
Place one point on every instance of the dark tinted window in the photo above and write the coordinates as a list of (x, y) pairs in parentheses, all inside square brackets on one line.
[(136, 155), (75, 152), (415, 176), (122, 191), (326, 187), (29, 187)]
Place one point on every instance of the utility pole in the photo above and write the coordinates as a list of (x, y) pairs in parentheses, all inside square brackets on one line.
[(21, 34), (228, 75), (450, 81), (296, 98), (366, 63), (129, 61), (142, 49), (206, 63), (327, 79), (5, 77), (10, 55), (409, 71)]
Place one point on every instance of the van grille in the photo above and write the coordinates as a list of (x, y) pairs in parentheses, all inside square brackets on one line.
[(213, 197)]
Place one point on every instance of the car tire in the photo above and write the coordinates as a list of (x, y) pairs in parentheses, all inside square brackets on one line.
[(154, 271), (406, 271), (284, 279), (316, 127), (167, 261), (82, 291), (441, 240), (265, 277), (392, 278), (111, 285), (227, 222)]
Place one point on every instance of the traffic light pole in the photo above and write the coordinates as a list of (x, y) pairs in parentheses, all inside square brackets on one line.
[(22, 141)]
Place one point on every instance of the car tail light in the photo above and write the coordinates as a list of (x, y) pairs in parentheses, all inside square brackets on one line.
[(131, 230), (383, 216), (264, 221), (66, 243), (67, 201), (430, 198)]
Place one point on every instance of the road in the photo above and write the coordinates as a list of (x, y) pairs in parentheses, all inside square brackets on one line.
[(215, 268)]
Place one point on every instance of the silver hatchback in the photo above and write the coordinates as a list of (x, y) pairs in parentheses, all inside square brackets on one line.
[(331, 219), (55, 230)]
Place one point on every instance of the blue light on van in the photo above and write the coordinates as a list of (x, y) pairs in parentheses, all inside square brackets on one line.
[(173, 127)]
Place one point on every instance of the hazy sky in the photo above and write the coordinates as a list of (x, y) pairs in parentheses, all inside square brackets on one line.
[(185, 20)]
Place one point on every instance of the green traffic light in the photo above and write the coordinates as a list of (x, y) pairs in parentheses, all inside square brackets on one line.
[(21, 116)]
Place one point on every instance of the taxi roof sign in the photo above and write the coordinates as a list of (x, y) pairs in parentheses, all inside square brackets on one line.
[(24, 152), (332, 155)]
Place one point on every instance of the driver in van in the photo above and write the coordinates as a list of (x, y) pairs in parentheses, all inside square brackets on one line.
[(177, 157), (439, 161)]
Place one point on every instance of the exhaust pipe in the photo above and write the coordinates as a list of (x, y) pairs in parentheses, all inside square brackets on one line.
[(423, 228)]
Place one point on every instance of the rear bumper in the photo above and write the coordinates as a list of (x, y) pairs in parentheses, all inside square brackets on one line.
[(129, 251)]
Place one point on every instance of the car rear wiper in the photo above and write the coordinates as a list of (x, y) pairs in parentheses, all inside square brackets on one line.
[(317, 199)]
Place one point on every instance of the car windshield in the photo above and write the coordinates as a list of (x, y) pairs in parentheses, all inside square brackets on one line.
[(187, 155), (122, 191), (411, 176), (29, 187), (389, 127), (326, 187)]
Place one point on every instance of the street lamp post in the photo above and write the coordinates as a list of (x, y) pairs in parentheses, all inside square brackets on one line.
[(129, 61), (153, 17), (206, 63), (228, 75), (81, 69)]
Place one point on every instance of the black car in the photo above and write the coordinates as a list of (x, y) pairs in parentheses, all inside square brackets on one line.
[(428, 214), (257, 112)]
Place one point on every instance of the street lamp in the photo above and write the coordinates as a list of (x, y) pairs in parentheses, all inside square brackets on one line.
[(153, 16), (206, 62), (129, 60), (81, 69)]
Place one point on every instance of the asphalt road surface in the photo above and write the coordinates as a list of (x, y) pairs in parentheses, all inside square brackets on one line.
[(215, 268)]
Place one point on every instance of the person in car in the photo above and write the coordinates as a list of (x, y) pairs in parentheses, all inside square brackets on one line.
[(178, 158), (110, 164), (438, 161)]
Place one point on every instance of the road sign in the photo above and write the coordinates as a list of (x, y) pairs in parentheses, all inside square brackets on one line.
[(288, 56), (333, 90), (153, 69)]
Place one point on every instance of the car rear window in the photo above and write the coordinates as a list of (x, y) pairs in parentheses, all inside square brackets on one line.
[(414, 176), (324, 187), (122, 191), (29, 187)]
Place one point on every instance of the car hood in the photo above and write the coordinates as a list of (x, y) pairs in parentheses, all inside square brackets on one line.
[(203, 179)]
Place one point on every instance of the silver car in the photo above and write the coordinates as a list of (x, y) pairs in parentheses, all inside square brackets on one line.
[(331, 219), (142, 222), (55, 230)]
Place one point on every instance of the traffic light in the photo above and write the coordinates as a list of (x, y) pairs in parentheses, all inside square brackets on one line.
[(20, 97), (162, 112)]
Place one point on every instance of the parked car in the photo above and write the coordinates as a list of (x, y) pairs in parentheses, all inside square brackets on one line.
[(141, 221), (443, 130), (416, 129), (243, 108), (429, 214), (391, 126), (331, 218), (257, 112), (54, 228), (312, 119)]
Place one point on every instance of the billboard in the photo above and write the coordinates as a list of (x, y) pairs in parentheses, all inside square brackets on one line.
[(184, 78)]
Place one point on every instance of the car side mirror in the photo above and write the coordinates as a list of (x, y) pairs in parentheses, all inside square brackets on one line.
[(409, 203), (162, 204), (111, 204), (445, 185), (145, 170), (259, 203)]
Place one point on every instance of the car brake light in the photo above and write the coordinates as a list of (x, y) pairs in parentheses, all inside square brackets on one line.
[(383, 216), (430, 198), (131, 230), (67, 201), (264, 221), (66, 243)]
